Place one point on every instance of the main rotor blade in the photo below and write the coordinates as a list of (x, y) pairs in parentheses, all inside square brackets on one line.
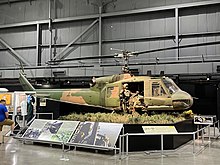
[(137, 52), (84, 58), (176, 47)]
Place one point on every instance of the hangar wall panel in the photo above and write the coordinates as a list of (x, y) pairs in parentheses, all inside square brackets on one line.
[(38, 10), (7, 60), (121, 5), (23, 11), (148, 68), (19, 36), (43, 73), (181, 68), (144, 25), (201, 19), (200, 68), (176, 68), (134, 32)]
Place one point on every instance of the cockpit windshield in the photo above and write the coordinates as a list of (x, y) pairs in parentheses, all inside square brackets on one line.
[(171, 86)]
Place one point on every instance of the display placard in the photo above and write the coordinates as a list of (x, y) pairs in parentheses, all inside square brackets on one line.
[(204, 119), (7, 97), (97, 134), (159, 129), (51, 130), (43, 102)]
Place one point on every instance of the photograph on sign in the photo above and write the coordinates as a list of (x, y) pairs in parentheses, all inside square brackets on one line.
[(51, 130), (32, 133), (107, 134), (34, 130), (85, 133), (58, 131), (97, 133), (203, 120)]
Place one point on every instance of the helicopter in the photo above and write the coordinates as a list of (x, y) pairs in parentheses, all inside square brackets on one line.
[(146, 93)]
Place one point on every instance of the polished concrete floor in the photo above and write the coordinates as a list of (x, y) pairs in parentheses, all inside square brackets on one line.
[(14, 152)]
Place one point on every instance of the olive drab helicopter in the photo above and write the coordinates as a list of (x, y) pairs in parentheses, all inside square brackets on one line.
[(123, 92)]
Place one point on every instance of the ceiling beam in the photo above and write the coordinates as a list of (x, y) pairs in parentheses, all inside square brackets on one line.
[(112, 14)]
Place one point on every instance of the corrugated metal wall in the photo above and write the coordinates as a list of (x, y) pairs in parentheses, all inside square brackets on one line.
[(135, 32)]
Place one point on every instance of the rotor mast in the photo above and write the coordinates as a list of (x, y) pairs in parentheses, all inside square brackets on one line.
[(125, 55)]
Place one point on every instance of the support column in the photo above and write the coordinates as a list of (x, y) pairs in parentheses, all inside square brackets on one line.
[(38, 45), (218, 102), (100, 33), (55, 30), (50, 30), (177, 32)]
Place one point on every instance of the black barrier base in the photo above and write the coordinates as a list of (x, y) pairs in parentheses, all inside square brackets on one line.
[(153, 142)]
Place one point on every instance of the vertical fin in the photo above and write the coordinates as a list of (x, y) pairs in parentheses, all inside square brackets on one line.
[(26, 85)]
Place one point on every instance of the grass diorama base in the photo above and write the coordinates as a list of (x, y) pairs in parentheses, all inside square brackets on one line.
[(125, 118), (133, 124)]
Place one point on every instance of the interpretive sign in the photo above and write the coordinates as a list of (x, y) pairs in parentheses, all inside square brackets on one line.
[(159, 129), (204, 119), (97, 134), (51, 130)]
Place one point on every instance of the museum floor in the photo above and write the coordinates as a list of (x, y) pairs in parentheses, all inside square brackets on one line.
[(14, 152)]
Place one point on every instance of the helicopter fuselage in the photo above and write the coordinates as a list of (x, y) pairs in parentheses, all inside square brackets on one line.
[(147, 93)]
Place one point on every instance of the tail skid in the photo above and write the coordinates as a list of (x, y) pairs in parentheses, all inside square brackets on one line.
[(26, 85)]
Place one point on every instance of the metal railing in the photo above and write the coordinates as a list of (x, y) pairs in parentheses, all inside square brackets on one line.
[(124, 140), (36, 116), (214, 129), (121, 139)]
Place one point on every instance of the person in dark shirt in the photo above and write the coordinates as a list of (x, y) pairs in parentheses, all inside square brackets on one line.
[(4, 120), (30, 107)]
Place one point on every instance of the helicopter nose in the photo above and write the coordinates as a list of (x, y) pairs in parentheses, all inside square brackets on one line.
[(181, 100)]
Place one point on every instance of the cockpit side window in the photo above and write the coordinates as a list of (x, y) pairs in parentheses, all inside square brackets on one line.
[(163, 91), (171, 86), (157, 89)]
